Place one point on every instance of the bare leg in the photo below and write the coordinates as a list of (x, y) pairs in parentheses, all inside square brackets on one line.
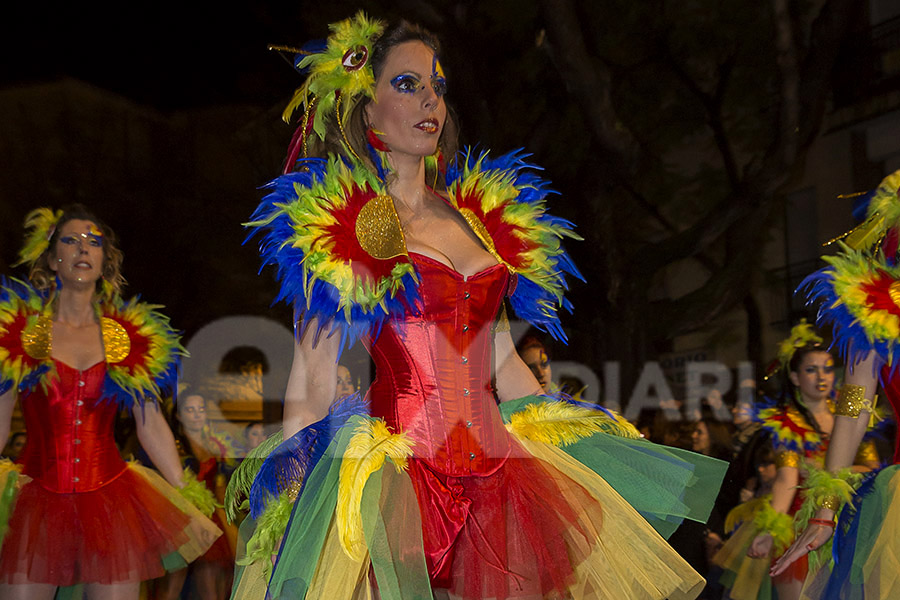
[(129, 590), (789, 590), (207, 577), (27, 591), (168, 587)]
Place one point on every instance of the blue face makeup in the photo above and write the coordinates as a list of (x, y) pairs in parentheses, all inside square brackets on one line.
[(92, 239), (407, 83)]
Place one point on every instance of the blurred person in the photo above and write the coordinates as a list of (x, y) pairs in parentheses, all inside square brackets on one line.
[(345, 385), (254, 435), (534, 354), (15, 445), (799, 424), (212, 456), (75, 353)]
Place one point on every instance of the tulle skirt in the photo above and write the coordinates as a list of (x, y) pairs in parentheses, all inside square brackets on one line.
[(132, 529), (866, 547), (542, 526)]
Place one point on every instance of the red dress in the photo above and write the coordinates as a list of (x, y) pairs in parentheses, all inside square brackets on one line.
[(492, 515), (86, 516)]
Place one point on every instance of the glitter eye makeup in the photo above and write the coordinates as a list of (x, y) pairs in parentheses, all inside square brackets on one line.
[(439, 85), (406, 84), (410, 84), (93, 239)]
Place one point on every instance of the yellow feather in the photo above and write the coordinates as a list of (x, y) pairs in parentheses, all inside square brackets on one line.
[(561, 424), (370, 445)]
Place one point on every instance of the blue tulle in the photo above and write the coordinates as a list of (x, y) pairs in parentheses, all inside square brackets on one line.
[(844, 547)]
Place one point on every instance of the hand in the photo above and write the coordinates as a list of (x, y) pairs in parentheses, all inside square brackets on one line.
[(812, 537), (761, 546), (746, 495)]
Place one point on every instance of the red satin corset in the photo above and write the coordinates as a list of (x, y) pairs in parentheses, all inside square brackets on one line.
[(70, 445), (433, 370)]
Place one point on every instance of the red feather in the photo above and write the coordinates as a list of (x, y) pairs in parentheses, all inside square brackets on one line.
[(878, 295), (509, 239), (341, 239)]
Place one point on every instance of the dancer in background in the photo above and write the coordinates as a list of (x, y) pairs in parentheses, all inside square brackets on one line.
[(856, 296), (212, 457), (73, 352)]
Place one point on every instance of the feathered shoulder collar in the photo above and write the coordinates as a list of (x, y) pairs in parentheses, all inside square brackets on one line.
[(141, 348), (333, 233), (788, 427)]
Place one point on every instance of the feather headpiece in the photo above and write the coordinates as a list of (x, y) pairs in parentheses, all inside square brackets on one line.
[(42, 224), (340, 74), (801, 335), (882, 219)]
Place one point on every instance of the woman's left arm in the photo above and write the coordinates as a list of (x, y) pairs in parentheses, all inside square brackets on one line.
[(514, 378), (158, 442)]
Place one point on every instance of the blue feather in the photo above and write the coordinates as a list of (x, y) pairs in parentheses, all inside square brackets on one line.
[(849, 336), (529, 301), (298, 455), (323, 302)]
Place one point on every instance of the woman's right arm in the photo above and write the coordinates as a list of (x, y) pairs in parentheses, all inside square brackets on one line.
[(313, 380), (7, 404)]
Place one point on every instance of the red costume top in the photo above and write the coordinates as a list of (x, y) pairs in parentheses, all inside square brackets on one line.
[(70, 432), (86, 516), (433, 370)]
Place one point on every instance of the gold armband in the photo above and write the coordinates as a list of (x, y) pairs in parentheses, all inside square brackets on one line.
[(852, 400), (787, 458), (831, 502)]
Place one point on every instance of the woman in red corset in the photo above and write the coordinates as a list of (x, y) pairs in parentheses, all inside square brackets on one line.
[(73, 353), (434, 491)]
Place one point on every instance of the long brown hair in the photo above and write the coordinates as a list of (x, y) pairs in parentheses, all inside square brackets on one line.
[(355, 127)]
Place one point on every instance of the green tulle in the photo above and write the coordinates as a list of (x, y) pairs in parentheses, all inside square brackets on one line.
[(7, 501), (666, 485), (391, 526)]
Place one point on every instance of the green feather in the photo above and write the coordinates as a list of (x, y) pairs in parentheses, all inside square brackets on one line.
[(242, 478)]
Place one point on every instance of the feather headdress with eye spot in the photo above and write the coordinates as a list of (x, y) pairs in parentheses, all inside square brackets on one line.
[(340, 73)]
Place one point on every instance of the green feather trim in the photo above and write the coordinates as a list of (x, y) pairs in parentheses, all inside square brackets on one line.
[(9, 474), (269, 530), (779, 525), (198, 494), (242, 479), (819, 485)]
